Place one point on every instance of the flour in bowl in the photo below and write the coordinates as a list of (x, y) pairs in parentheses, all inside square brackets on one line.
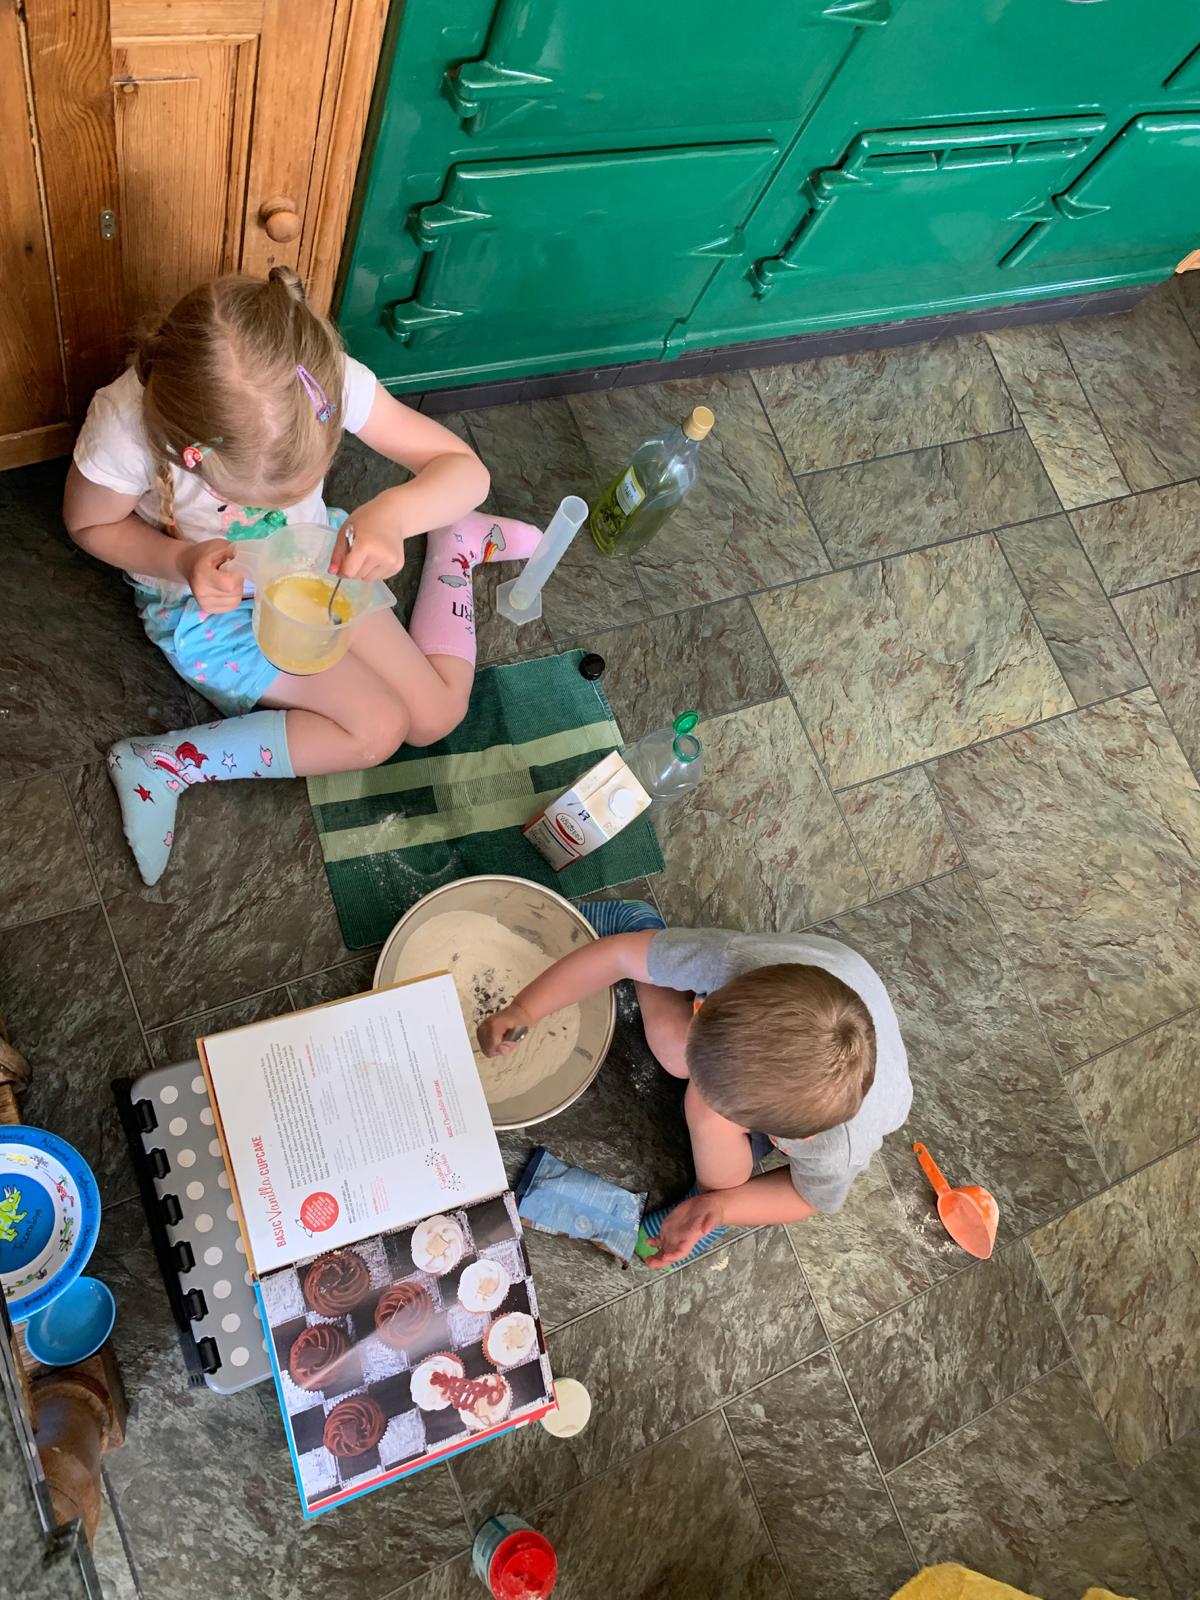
[(490, 965)]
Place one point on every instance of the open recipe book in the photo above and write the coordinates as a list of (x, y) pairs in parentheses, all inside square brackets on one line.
[(386, 1253)]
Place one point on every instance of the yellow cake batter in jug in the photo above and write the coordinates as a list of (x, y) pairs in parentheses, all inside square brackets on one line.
[(292, 626)]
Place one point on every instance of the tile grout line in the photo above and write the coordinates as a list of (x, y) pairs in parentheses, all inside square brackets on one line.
[(1087, 399), (1037, 621), (786, 459), (850, 1396), (1009, 961), (1126, 1473), (92, 873), (1096, 416), (991, 738), (770, 1537), (830, 1345), (1067, 1361), (1142, 1033), (1153, 583), (1158, 700), (883, 1477), (914, 449), (1121, 629), (462, 1504), (820, 765), (49, 916), (1054, 1056), (122, 1532)]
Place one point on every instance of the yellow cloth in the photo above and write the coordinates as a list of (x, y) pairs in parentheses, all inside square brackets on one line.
[(950, 1582)]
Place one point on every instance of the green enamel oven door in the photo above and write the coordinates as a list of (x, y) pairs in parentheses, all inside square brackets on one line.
[(552, 69), (940, 170), (1130, 209), (552, 184), (570, 257)]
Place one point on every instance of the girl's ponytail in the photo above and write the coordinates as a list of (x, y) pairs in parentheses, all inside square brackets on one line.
[(291, 280)]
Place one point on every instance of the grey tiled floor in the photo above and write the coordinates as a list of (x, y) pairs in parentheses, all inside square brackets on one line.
[(940, 610)]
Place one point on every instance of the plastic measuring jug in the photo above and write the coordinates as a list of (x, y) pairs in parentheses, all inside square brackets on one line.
[(292, 588), (969, 1215)]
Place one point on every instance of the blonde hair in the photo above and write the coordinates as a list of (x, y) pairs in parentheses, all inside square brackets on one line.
[(221, 373), (788, 1050)]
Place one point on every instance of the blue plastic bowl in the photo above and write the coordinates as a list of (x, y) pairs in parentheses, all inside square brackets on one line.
[(74, 1325)]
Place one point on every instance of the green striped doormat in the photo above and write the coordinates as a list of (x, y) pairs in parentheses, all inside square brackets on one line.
[(455, 809)]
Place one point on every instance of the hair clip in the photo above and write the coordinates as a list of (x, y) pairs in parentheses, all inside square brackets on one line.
[(193, 454), (321, 403)]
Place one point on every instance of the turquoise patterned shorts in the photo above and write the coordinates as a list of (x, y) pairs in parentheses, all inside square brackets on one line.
[(217, 655)]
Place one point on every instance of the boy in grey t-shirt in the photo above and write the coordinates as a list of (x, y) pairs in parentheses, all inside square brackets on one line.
[(788, 1035)]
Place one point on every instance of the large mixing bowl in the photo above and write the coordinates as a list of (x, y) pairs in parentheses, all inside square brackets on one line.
[(554, 925)]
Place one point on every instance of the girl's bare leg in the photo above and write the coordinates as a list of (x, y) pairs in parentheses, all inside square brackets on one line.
[(433, 689), (339, 720)]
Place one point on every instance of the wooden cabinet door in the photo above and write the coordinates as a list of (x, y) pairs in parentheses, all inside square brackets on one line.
[(32, 389), (218, 108)]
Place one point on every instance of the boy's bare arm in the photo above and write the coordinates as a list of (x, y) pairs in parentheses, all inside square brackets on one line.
[(597, 966)]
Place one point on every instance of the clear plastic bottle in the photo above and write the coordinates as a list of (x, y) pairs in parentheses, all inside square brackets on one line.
[(637, 503), (669, 762)]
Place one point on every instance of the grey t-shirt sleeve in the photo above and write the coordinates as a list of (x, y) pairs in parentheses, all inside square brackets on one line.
[(698, 959), (823, 1189), (824, 1167)]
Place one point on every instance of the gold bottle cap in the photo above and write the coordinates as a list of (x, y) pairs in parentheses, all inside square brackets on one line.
[(699, 424)]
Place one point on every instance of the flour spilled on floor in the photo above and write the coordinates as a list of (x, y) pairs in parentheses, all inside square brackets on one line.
[(490, 965)]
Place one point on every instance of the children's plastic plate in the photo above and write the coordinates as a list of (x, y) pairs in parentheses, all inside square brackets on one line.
[(49, 1218)]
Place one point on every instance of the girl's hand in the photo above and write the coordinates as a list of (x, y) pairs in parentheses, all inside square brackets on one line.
[(492, 1030), (215, 589), (378, 550)]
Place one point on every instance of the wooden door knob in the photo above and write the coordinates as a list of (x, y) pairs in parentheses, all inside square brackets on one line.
[(280, 219)]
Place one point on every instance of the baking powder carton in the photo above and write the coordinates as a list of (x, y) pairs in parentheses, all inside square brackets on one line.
[(599, 805)]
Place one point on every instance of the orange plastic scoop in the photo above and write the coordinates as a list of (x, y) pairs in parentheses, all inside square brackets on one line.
[(969, 1215)]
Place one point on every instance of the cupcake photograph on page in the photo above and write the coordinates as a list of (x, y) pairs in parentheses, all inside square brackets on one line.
[(396, 1351)]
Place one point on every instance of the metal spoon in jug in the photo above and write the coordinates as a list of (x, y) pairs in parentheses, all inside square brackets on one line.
[(337, 621)]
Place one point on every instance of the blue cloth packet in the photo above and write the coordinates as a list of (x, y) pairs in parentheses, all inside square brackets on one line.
[(578, 1205)]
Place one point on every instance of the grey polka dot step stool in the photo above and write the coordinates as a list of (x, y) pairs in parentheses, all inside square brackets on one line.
[(170, 1126)]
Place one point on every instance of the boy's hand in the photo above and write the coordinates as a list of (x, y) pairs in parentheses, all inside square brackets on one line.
[(215, 589), (378, 550), (687, 1223), (492, 1030)]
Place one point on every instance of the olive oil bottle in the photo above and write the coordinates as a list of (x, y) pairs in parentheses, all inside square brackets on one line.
[(637, 503)]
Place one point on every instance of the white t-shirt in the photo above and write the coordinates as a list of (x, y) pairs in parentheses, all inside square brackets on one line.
[(111, 450)]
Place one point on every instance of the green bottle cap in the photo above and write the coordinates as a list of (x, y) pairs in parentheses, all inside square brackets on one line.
[(685, 744)]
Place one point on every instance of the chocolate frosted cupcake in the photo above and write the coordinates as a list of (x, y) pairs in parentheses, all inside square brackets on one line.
[(316, 1354), (336, 1283), (354, 1426), (403, 1312)]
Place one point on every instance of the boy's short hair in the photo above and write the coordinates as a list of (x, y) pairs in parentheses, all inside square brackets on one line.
[(786, 1049)]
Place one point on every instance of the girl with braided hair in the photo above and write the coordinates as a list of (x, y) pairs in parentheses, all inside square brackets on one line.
[(224, 427)]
